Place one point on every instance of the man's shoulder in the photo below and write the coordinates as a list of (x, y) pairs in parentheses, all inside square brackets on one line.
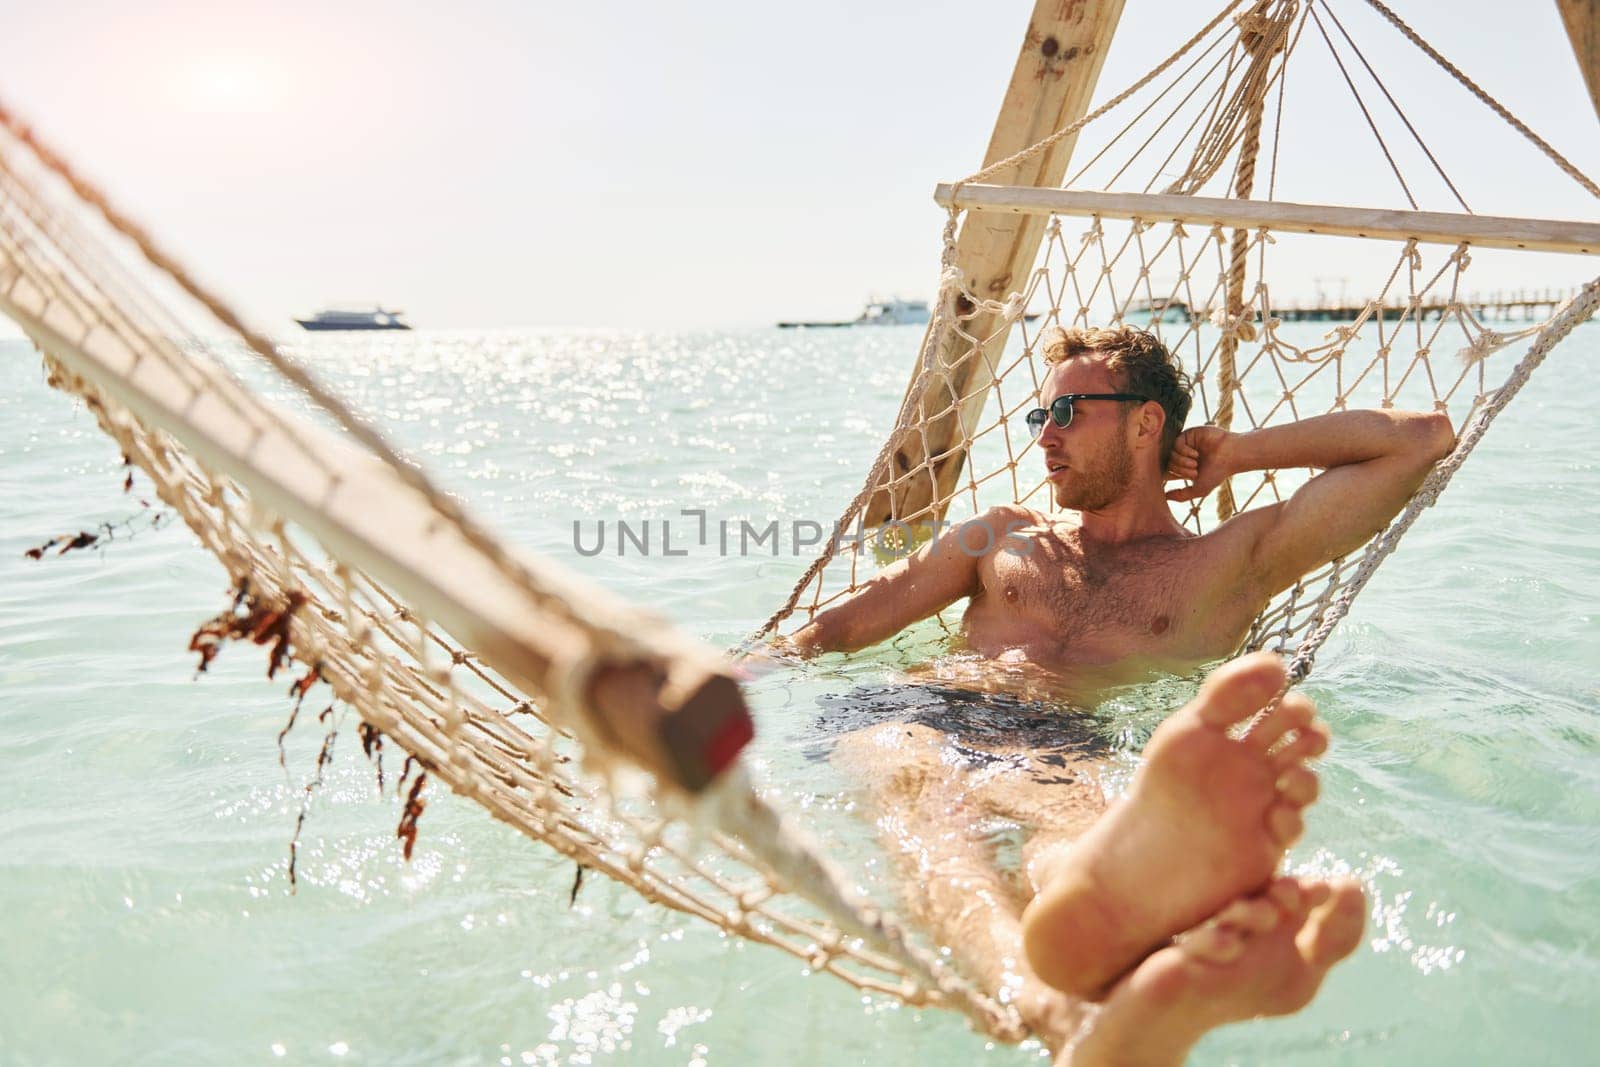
[(1015, 520), (1014, 513), (999, 527)]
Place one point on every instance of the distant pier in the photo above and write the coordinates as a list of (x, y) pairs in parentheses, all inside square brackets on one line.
[(1528, 305)]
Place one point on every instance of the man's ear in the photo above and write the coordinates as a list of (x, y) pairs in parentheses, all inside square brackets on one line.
[(1152, 420)]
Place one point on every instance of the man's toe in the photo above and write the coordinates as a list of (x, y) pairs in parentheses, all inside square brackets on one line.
[(1293, 712), (1309, 742), (1285, 823), (1298, 785), (1239, 689)]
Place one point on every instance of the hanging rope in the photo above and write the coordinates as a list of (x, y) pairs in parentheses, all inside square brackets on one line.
[(1494, 105)]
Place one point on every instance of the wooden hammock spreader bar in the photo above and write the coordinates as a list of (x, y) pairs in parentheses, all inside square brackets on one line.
[(1427, 227), (657, 696)]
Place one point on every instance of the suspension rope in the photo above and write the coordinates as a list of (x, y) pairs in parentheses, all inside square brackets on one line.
[(1494, 105), (1398, 110), (1362, 104)]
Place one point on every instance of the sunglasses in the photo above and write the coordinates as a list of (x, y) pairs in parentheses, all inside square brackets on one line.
[(1061, 409)]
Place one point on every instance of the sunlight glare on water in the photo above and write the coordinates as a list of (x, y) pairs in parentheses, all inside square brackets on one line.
[(147, 819)]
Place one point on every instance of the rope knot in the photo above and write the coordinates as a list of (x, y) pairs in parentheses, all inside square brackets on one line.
[(1241, 326), (1014, 306), (1482, 347)]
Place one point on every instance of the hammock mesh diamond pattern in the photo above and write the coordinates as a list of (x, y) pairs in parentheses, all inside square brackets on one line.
[(1418, 342)]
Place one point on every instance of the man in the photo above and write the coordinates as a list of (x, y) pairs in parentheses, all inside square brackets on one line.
[(1115, 586), (1105, 592)]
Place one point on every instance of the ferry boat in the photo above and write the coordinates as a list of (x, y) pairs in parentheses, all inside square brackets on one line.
[(894, 312), (373, 318), (891, 312)]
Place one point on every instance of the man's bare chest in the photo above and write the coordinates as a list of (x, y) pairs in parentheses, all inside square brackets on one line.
[(1149, 594)]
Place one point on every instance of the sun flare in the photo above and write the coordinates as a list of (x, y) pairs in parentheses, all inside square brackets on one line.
[(228, 83)]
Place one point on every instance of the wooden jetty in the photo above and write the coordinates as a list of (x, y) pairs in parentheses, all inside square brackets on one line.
[(1522, 304)]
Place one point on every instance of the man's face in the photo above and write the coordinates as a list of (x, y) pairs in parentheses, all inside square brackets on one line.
[(1090, 462)]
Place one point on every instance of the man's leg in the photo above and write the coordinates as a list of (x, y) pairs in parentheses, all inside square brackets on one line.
[(929, 811)]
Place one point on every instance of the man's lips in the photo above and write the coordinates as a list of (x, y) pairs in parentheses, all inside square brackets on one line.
[(1054, 468)]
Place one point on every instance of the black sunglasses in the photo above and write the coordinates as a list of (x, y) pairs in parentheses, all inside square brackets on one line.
[(1061, 409)]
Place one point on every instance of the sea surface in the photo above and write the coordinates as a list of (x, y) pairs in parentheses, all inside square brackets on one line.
[(145, 820)]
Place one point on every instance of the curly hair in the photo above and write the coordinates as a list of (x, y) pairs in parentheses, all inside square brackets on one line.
[(1142, 363)]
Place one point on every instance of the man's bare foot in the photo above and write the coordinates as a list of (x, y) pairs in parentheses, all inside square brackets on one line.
[(1205, 822), (1261, 956)]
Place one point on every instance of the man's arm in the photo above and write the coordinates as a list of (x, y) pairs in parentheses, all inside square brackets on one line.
[(928, 581), (1373, 461)]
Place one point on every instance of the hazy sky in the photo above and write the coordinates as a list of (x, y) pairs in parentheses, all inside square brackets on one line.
[(638, 164)]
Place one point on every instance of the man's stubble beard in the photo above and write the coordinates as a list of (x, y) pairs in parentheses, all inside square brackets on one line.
[(1106, 481)]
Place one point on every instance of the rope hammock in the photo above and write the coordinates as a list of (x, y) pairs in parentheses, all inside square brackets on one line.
[(481, 662), (475, 660), (1199, 272)]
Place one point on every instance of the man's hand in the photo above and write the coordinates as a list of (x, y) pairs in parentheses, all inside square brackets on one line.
[(1200, 457)]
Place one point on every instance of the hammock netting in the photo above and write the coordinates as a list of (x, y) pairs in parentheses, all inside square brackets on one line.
[(1157, 246), (376, 581)]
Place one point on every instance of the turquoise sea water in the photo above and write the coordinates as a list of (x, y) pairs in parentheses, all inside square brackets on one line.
[(145, 819)]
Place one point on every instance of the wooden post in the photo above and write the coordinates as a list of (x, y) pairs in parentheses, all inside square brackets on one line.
[(1582, 19), (1051, 86)]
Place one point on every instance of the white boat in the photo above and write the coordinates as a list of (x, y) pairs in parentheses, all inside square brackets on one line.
[(373, 318), (894, 312), (891, 312)]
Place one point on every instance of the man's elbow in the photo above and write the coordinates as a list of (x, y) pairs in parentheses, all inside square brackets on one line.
[(1431, 435), (810, 640), (826, 633)]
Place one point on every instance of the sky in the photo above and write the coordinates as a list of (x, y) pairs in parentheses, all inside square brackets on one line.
[(494, 164)]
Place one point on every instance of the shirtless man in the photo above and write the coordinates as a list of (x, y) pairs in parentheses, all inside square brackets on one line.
[(1114, 585), (1105, 592)]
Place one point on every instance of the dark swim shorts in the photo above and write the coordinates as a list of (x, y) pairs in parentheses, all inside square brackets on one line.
[(983, 727)]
